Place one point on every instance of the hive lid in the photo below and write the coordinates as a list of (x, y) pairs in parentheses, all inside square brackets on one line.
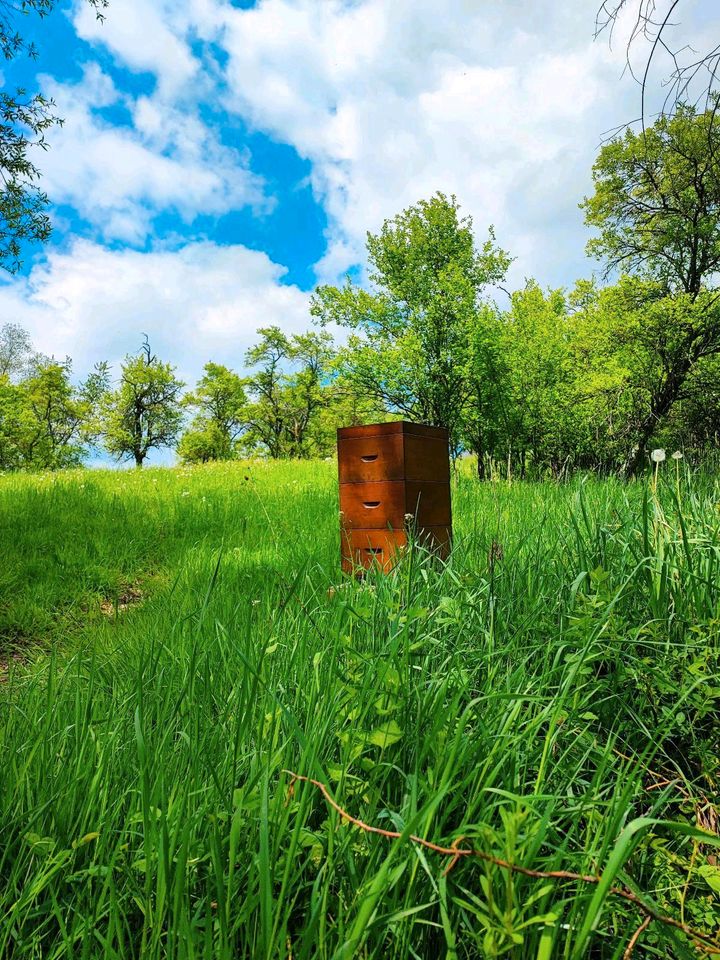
[(393, 427)]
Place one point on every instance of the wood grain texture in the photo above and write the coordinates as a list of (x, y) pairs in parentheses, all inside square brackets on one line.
[(395, 427), (426, 458), (387, 503), (361, 549), (371, 458), (394, 477), (393, 456)]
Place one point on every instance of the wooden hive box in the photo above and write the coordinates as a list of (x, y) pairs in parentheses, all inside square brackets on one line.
[(389, 472)]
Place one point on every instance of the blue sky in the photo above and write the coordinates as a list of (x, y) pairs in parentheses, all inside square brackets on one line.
[(218, 159)]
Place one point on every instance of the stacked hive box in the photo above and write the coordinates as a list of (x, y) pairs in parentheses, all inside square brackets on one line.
[(389, 472)]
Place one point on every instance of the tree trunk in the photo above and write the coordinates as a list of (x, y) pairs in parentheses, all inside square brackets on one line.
[(659, 407), (635, 457)]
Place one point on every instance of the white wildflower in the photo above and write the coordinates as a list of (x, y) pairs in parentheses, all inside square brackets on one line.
[(657, 456), (677, 455)]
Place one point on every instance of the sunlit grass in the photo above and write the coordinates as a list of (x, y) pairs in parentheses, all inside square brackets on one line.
[(186, 636)]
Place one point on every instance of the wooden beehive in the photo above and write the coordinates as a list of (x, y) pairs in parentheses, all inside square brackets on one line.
[(390, 472)]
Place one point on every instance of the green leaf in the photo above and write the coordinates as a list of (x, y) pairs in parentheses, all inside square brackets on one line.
[(711, 876), (88, 838), (386, 734)]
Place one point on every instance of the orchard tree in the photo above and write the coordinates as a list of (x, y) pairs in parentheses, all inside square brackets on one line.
[(657, 209), (203, 442), (535, 342), (15, 420), (410, 343), (24, 120), (56, 417), (306, 392), (16, 351), (288, 391), (266, 415), (46, 421), (221, 410), (53, 418), (485, 423), (145, 412)]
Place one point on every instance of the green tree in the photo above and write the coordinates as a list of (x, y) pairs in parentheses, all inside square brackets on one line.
[(656, 206), (221, 408), (288, 391), (536, 343), (410, 345), (16, 351), (24, 120), (694, 423), (15, 419), (343, 407), (266, 414), (52, 418), (203, 442), (485, 421), (145, 411)]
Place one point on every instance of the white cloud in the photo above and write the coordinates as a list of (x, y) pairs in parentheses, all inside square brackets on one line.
[(140, 35), (198, 303), (119, 177), (393, 101), (503, 103)]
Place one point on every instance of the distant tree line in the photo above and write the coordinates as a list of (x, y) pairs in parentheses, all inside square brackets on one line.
[(551, 381)]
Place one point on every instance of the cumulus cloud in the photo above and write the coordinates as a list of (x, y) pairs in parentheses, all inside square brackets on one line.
[(144, 37), (503, 104), (119, 177), (500, 105), (199, 302)]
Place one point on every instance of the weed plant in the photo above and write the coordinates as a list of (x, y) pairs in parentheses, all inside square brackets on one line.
[(181, 638)]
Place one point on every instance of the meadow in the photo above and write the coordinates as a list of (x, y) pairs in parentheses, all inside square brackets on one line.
[(174, 641)]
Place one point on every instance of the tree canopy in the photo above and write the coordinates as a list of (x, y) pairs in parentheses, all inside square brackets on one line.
[(411, 332), (25, 119), (144, 413), (656, 206)]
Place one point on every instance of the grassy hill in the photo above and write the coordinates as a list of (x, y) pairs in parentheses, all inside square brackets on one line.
[(173, 641)]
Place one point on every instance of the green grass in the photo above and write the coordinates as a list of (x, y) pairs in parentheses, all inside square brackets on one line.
[(184, 636)]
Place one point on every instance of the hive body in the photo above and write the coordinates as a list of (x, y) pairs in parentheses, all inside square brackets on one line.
[(388, 472)]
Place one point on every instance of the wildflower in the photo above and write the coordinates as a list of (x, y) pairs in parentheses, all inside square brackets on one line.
[(677, 455), (185, 493), (657, 456)]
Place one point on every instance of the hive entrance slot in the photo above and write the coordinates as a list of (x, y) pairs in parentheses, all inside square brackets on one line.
[(376, 551), (371, 504), (369, 458)]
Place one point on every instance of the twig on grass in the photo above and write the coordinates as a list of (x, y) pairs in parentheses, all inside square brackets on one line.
[(633, 942), (456, 852)]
